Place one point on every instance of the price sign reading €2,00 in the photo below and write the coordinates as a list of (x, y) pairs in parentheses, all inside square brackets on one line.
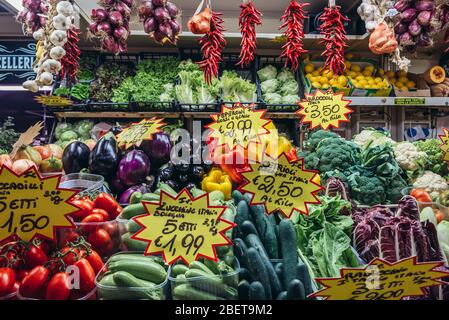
[(282, 185), (382, 280), (444, 146), (31, 205), (238, 126), (137, 132), (183, 227), (324, 109)]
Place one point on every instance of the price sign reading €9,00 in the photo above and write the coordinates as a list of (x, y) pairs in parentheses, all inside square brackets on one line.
[(444, 146), (324, 109), (137, 132), (282, 185), (382, 280), (238, 126), (183, 227), (31, 205)]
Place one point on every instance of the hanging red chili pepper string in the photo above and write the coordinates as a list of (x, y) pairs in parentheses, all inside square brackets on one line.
[(212, 44), (249, 18), (334, 39), (70, 61), (293, 21)]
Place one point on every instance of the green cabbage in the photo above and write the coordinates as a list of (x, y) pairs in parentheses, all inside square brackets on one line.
[(273, 98), (269, 86), (267, 72), (290, 87), (286, 75), (290, 99)]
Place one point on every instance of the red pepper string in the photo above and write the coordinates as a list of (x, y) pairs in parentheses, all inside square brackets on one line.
[(334, 39), (70, 61), (293, 21), (212, 44), (249, 18)]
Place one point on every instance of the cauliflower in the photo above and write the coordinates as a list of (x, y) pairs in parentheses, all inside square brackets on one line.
[(431, 182), (372, 138), (408, 156)]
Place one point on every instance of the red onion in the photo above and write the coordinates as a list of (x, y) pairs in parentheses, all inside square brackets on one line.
[(93, 27), (402, 5), (414, 28), (99, 15), (146, 10), (165, 29), (21, 16), (122, 47), (110, 45), (30, 16), (150, 25), (424, 40), (405, 38), (409, 15), (400, 28), (42, 20), (32, 5), (104, 27), (124, 10), (173, 10), (121, 33), (159, 3), (161, 14), (129, 3), (116, 18), (175, 26), (43, 7), (425, 5), (424, 18), (158, 36)]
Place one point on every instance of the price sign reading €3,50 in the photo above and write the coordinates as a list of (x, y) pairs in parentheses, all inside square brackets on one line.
[(31, 205), (382, 280), (183, 227), (282, 185), (238, 126), (137, 132), (324, 109), (444, 146)]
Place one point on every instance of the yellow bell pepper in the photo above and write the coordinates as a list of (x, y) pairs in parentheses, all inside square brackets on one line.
[(217, 180), (284, 146)]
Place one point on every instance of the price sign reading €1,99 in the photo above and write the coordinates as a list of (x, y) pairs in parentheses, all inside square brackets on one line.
[(238, 126), (324, 109), (382, 280), (444, 146), (137, 132), (282, 185), (183, 227), (31, 205)]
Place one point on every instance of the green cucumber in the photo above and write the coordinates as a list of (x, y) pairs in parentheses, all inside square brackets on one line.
[(136, 197), (107, 280), (150, 271), (253, 241), (133, 226), (133, 257), (243, 289), (282, 296), (200, 266), (237, 196), (151, 197), (212, 265), (259, 271), (166, 188), (147, 290), (187, 292), (133, 244), (303, 274), (278, 269), (241, 216), (266, 231), (132, 210), (289, 251), (240, 250), (257, 291), (216, 197), (245, 275), (248, 227), (179, 269), (295, 290), (180, 279), (247, 197), (212, 284), (195, 192)]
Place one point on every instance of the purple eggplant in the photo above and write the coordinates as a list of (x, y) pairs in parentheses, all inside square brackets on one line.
[(158, 149), (133, 168), (126, 195)]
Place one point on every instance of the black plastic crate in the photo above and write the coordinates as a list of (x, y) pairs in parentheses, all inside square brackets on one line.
[(157, 55), (125, 58), (154, 106), (230, 61), (75, 107), (193, 54), (198, 107), (96, 106)]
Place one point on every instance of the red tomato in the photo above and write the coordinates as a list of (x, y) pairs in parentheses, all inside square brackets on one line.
[(87, 275), (102, 212), (44, 151), (112, 228), (85, 209), (88, 200), (45, 245), (95, 261), (13, 260), (15, 287), (67, 235), (59, 287), (7, 280), (106, 202), (34, 257), (33, 282), (56, 151), (5, 160), (71, 255), (116, 213), (91, 222), (22, 165), (101, 241), (21, 274)]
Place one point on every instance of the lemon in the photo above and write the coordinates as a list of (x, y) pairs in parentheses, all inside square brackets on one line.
[(316, 73), (316, 85), (329, 74), (359, 78), (309, 67), (333, 82), (381, 72), (403, 80), (367, 86), (402, 74), (342, 81), (349, 56), (378, 79), (363, 82), (390, 74), (324, 80), (367, 72), (325, 86), (410, 84), (393, 80), (352, 74), (306, 57), (309, 75), (348, 65), (356, 68)]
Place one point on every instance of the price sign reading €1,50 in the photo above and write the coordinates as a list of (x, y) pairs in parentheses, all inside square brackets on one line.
[(444, 146), (238, 126), (324, 109), (183, 227), (382, 280), (282, 185), (137, 132), (31, 205)]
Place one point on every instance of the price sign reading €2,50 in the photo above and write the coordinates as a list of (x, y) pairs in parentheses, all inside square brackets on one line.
[(282, 185), (444, 146), (137, 132), (382, 280), (324, 109), (183, 227), (238, 126), (31, 205)]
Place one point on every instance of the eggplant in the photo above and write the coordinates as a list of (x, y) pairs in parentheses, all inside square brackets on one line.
[(184, 178), (182, 168), (166, 173), (126, 195), (134, 167), (172, 184), (158, 148), (104, 157), (190, 186), (75, 157), (198, 172)]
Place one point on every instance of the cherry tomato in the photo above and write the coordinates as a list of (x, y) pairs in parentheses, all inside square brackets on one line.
[(7, 280), (88, 200), (45, 245), (101, 241), (67, 235), (13, 259), (91, 222), (87, 275), (95, 261), (71, 255), (21, 274), (34, 257), (116, 213), (102, 212), (33, 282), (112, 228), (85, 209), (15, 287), (106, 202), (59, 287)]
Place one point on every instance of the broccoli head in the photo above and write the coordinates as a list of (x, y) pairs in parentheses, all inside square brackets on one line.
[(367, 190), (310, 159), (394, 189), (336, 154), (314, 138)]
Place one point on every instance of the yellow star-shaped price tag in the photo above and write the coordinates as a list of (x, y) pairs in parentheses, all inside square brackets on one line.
[(282, 185), (31, 205), (444, 146), (324, 109), (137, 132), (238, 126), (54, 101), (183, 227), (382, 280)]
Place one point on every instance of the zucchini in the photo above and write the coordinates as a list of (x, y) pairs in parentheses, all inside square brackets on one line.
[(180, 279), (200, 266), (245, 275), (216, 197), (257, 291), (248, 227), (259, 271), (253, 241), (133, 226), (282, 296), (107, 280), (244, 290), (240, 251), (211, 284), (187, 292), (278, 270), (241, 216), (212, 265), (133, 257), (132, 210), (295, 290), (247, 197), (179, 269), (150, 271), (303, 274), (133, 244), (228, 274), (151, 197), (136, 197), (195, 192), (289, 251), (265, 230), (166, 188), (237, 196)]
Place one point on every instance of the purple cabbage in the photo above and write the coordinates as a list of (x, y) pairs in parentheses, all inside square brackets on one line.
[(134, 167)]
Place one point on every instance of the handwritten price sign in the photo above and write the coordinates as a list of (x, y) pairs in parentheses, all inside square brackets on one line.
[(137, 132), (183, 227), (31, 205), (444, 146), (382, 280), (324, 109), (54, 101), (282, 185), (238, 126)]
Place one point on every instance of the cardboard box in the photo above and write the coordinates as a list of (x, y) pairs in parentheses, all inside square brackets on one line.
[(422, 89)]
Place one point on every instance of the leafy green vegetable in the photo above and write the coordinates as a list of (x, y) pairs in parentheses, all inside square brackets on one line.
[(290, 99), (80, 91), (273, 98), (110, 76), (236, 89), (269, 86), (286, 76), (288, 88), (434, 156), (267, 72), (8, 136), (62, 92)]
